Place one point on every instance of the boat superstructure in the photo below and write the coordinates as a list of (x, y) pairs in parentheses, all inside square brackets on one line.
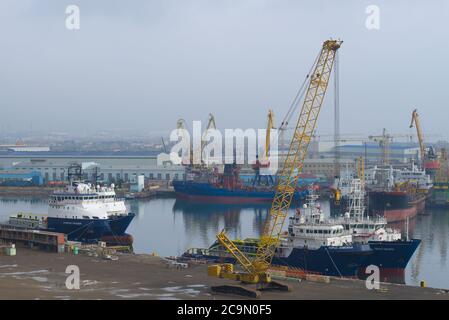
[(391, 253), (83, 211), (312, 243), (361, 226)]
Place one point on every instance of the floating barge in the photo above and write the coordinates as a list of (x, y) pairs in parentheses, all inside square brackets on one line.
[(51, 241)]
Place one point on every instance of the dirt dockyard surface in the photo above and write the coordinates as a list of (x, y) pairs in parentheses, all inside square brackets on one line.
[(33, 274)]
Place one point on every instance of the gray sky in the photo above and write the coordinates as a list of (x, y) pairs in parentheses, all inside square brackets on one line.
[(144, 64)]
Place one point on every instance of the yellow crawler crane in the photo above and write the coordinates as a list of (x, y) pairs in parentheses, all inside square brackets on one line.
[(256, 269)]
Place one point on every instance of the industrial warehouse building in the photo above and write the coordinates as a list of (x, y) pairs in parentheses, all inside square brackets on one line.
[(126, 166), (109, 167), (114, 167), (372, 152)]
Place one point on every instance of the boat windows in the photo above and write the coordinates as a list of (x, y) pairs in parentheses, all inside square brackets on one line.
[(86, 217), (95, 217)]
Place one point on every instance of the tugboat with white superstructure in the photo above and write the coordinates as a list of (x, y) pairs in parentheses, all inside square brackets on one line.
[(82, 211), (391, 253), (312, 244)]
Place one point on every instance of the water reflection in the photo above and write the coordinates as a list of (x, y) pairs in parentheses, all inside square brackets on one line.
[(207, 219), (430, 260), (169, 227)]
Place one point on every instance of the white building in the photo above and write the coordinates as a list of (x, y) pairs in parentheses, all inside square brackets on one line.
[(111, 168)]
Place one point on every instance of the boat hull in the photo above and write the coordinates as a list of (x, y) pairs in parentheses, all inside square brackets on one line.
[(206, 192), (396, 206), (391, 258), (90, 230), (342, 261), (339, 261)]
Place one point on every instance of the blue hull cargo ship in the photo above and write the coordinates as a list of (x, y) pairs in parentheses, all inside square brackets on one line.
[(207, 192), (227, 187)]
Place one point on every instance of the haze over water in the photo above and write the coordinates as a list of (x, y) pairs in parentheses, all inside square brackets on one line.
[(169, 227)]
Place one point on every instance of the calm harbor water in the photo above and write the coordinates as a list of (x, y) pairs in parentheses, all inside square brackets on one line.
[(169, 227)]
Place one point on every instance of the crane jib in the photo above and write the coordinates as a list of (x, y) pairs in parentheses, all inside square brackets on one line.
[(292, 167)]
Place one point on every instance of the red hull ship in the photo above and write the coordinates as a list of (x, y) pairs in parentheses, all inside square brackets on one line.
[(396, 205)]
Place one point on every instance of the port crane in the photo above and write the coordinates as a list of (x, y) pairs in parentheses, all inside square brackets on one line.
[(416, 122), (256, 268), (210, 126), (384, 141), (265, 162), (181, 127), (181, 124), (428, 157), (270, 126)]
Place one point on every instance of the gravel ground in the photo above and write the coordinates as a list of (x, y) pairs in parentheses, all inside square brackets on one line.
[(36, 274)]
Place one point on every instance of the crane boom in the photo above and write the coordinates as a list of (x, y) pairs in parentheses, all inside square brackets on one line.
[(210, 125), (270, 125), (292, 167), (422, 148)]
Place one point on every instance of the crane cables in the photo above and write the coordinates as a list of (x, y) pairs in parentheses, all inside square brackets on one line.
[(298, 97)]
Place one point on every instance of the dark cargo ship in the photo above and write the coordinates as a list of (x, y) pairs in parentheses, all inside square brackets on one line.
[(397, 194), (395, 205)]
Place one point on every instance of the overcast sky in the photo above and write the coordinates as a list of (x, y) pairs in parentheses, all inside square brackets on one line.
[(144, 64)]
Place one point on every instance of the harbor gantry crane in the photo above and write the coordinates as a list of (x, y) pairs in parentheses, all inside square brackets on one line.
[(270, 126), (384, 141), (256, 268), (428, 157), (422, 148), (264, 161), (210, 126), (181, 127)]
